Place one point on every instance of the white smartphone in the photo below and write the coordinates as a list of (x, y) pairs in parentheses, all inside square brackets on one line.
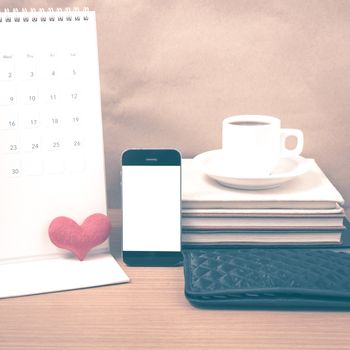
[(151, 207)]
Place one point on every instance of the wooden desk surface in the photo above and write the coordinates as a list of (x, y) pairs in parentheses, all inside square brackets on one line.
[(151, 312)]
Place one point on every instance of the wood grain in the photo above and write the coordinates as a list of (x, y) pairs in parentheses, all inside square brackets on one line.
[(151, 312)]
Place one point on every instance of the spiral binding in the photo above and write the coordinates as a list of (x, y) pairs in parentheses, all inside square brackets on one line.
[(66, 14)]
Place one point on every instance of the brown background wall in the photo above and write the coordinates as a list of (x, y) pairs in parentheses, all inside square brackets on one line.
[(172, 70)]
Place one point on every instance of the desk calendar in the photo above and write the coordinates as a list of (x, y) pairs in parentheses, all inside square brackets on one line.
[(51, 139)]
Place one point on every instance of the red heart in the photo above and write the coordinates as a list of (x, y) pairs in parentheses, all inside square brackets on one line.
[(79, 239)]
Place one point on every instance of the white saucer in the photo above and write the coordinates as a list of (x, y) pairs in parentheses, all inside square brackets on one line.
[(212, 164)]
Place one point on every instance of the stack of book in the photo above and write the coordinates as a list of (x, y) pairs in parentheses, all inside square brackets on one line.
[(306, 210)]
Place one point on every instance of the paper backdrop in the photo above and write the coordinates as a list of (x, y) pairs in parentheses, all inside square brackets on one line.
[(172, 70)]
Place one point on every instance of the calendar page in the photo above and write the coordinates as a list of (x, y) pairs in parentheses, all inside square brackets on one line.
[(51, 139)]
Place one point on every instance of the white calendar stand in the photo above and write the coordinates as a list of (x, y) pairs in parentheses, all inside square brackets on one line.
[(51, 149)]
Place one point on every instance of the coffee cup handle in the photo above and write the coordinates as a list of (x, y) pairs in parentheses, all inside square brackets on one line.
[(298, 134)]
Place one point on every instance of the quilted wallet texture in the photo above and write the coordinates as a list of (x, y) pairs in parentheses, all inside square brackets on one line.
[(267, 278)]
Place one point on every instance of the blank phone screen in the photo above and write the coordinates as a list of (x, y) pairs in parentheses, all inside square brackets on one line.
[(151, 208)]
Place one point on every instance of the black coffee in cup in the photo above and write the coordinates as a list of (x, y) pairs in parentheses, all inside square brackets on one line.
[(249, 123), (254, 144)]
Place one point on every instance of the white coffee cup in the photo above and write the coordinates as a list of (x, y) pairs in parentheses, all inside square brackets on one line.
[(252, 145)]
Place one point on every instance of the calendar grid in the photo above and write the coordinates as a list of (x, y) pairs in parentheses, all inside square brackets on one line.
[(51, 136)]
